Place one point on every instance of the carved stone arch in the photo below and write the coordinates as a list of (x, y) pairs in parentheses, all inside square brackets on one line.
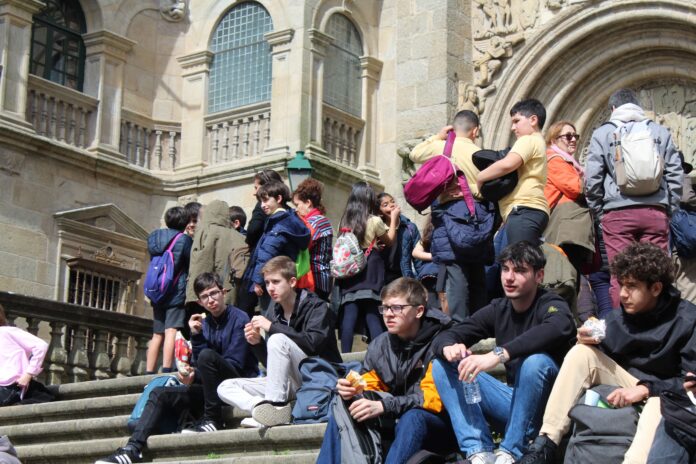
[(354, 12), (94, 16), (203, 30), (577, 61), (121, 21)]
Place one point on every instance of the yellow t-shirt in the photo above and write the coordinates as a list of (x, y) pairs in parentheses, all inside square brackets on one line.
[(531, 175), (462, 152), (375, 228)]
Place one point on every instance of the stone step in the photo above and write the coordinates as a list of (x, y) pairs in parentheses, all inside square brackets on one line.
[(87, 408), (285, 441), (99, 388), (67, 430), (280, 458)]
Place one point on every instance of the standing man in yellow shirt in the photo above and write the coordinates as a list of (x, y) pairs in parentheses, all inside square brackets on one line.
[(525, 210)]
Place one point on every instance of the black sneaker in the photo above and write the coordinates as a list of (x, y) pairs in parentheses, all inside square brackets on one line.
[(270, 414), (541, 451), (206, 425), (126, 455)]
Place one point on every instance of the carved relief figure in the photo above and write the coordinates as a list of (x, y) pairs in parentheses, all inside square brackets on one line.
[(173, 10), (492, 52), (473, 98), (525, 13)]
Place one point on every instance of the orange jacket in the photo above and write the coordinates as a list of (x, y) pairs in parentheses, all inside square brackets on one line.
[(563, 183)]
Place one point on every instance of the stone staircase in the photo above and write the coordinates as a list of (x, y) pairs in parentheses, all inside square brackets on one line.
[(88, 421)]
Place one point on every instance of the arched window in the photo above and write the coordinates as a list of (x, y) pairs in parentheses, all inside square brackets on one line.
[(240, 73), (342, 85), (57, 50)]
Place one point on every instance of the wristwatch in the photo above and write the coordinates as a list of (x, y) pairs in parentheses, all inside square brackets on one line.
[(500, 353)]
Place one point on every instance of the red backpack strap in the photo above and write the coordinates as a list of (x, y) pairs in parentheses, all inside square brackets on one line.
[(449, 143), (344, 230)]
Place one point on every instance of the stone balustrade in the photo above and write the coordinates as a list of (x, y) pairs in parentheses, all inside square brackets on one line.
[(238, 134), (84, 343), (149, 144), (341, 136), (60, 113)]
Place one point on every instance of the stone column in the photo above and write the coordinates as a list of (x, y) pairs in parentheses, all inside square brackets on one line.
[(195, 70), (284, 118), (104, 74), (319, 42), (15, 48), (370, 71)]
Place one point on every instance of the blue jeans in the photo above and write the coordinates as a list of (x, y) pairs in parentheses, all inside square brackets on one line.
[(516, 411), (417, 429), (665, 450)]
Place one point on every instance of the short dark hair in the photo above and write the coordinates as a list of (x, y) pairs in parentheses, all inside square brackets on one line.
[(311, 190), (622, 97), (206, 280), (528, 108), (521, 253), (465, 120), (414, 291), (273, 189), (192, 209), (644, 262), (238, 214), (176, 218), (266, 176)]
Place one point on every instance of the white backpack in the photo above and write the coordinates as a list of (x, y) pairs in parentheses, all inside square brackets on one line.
[(348, 258), (637, 162)]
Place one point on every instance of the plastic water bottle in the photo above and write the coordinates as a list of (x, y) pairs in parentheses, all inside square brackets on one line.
[(472, 392)]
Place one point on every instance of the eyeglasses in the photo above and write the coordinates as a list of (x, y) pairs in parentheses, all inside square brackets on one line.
[(208, 296), (395, 309), (569, 137)]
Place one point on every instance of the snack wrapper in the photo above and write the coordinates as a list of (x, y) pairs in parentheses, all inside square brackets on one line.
[(182, 355), (598, 328), (356, 381)]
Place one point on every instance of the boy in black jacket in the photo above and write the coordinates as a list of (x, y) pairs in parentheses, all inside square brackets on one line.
[(300, 325), (533, 330), (219, 352), (650, 344)]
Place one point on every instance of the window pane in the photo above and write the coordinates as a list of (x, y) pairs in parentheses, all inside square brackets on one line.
[(240, 73), (342, 82)]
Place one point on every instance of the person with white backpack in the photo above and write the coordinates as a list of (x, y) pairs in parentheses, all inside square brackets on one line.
[(633, 179)]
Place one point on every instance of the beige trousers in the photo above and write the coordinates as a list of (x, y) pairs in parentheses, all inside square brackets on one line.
[(583, 367)]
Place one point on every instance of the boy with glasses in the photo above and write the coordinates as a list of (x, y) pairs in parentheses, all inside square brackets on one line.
[(398, 364), (299, 325), (533, 330), (219, 352)]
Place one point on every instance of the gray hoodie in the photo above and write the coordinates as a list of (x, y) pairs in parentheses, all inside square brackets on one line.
[(601, 190)]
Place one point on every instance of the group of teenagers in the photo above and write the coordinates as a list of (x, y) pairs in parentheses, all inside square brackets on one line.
[(423, 306)]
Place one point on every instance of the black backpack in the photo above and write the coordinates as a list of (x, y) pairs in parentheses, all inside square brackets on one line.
[(599, 434)]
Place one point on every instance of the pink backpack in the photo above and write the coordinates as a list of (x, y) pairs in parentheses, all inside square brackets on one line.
[(431, 179)]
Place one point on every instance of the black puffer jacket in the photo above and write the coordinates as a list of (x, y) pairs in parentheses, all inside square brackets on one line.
[(657, 347), (403, 368)]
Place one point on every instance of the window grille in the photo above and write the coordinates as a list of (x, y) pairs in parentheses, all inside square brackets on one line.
[(96, 289), (57, 49), (240, 73), (342, 82)]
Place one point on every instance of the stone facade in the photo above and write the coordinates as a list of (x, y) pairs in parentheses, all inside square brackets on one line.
[(139, 137)]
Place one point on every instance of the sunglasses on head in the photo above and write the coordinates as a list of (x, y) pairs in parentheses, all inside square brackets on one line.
[(569, 137)]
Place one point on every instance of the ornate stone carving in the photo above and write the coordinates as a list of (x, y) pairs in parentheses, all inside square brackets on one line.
[(473, 98), (490, 55), (173, 10), (408, 169)]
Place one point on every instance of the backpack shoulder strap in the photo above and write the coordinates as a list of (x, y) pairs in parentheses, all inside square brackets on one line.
[(174, 240), (449, 144)]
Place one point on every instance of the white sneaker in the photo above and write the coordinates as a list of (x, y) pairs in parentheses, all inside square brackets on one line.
[(483, 457), (503, 457), (251, 423)]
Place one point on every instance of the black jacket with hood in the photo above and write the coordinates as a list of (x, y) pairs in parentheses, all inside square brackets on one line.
[(657, 347), (403, 368), (312, 327)]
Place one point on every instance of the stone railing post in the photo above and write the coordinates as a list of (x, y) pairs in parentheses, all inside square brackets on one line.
[(57, 356), (139, 362), (99, 358), (78, 361), (121, 365), (195, 70)]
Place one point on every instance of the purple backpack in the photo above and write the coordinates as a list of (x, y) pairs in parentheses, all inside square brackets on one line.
[(160, 279), (431, 179)]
